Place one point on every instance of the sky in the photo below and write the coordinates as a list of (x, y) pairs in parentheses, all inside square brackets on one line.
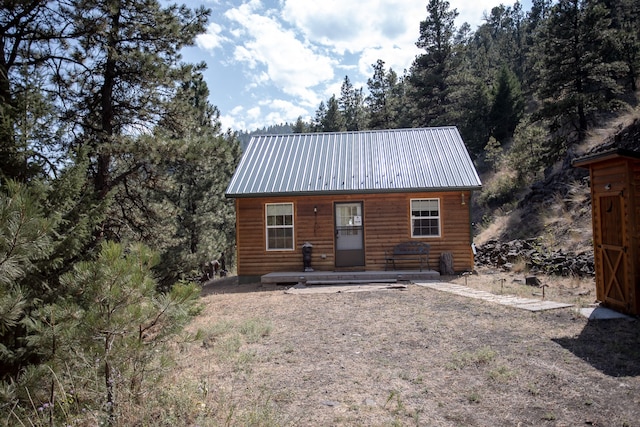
[(272, 61)]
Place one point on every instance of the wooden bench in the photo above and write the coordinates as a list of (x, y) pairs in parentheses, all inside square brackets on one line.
[(407, 251)]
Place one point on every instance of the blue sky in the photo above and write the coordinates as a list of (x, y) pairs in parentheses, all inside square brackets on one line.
[(270, 61)]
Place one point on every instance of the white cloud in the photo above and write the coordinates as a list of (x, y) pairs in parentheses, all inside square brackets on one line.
[(285, 56), (472, 12), (212, 38), (230, 122), (290, 64), (356, 25)]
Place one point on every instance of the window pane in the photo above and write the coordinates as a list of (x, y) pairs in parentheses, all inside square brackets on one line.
[(280, 238), (280, 209), (279, 225), (425, 217)]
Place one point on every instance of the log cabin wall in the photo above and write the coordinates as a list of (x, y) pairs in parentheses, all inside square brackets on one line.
[(386, 220)]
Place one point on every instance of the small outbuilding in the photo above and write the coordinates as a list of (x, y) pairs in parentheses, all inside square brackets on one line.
[(614, 169), (352, 196)]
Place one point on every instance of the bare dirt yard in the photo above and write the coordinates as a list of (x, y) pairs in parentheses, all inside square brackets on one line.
[(412, 357)]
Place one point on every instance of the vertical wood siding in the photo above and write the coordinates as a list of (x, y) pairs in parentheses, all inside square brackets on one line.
[(619, 176), (634, 195), (386, 220)]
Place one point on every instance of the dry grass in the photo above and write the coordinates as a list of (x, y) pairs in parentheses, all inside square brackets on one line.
[(417, 358), (598, 135), (497, 226)]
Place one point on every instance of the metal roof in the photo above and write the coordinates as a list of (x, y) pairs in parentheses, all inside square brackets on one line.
[(377, 161)]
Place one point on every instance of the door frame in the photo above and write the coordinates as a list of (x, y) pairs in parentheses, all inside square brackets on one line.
[(350, 258), (612, 255)]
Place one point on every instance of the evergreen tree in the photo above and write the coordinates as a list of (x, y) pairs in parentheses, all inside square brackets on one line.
[(431, 70), (534, 27), (301, 126), (29, 30), (624, 40), (493, 153), (45, 229), (126, 70), (25, 238), (530, 153), (576, 80), (382, 100), (351, 105), (200, 170), (470, 106), (318, 120), (508, 106), (123, 323), (333, 120)]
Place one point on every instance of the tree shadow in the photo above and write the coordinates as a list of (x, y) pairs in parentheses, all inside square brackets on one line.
[(230, 285), (611, 346)]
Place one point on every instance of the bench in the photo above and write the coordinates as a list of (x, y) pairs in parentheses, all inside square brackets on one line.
[(407, 251)]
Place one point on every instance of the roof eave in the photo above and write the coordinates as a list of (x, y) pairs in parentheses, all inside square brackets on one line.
[(604, 156), (351, 192)]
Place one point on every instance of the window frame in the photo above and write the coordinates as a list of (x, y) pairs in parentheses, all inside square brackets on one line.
[(412, 218), (279, 226)]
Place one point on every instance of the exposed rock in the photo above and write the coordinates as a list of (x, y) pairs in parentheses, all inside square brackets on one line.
[(536, 259)]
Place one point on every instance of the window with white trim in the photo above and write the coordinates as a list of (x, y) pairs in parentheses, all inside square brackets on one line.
[(279, 226), (425, 218)]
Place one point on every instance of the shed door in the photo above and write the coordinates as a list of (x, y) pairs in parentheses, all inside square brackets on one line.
[(349, 234), (612, 288)]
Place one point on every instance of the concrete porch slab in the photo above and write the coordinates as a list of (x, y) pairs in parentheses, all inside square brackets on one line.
[(345, 277), (602, 313), (337, 289)]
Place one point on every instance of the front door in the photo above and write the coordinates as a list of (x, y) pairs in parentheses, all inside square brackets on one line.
[(612, 253), (349, 232)]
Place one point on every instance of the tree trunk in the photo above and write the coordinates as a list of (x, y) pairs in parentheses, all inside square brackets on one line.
[(446, 264)]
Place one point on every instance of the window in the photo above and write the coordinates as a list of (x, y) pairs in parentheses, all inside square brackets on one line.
[(279, 226), (425, 218)]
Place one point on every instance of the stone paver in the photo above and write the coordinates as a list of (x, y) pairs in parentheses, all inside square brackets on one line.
[(508, 300)]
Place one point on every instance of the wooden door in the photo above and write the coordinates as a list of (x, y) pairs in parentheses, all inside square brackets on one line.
[(613, 286), (349, 232)]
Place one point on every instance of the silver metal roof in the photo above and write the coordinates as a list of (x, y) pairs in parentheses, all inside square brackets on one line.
[(377, 161)]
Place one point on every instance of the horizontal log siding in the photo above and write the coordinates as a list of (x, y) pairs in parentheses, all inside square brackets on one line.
[(386, 220)]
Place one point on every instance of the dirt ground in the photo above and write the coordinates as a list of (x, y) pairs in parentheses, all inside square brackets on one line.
[(413, 357)]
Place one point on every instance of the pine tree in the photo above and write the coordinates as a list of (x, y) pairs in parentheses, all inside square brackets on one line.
[(333, 120), (351, 105), (25, 238), (126, 71), (576, 80), (507, 107), (383, 99), (493, 153), (624, 40), (319, 118), (300, 126), (200, 169), (29, 32), (429, 88), (469, 110), (123, 322)]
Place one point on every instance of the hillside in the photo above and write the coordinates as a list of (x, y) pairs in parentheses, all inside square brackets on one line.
[(553, 213)]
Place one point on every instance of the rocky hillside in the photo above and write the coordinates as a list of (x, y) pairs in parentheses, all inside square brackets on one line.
[(548, 226)]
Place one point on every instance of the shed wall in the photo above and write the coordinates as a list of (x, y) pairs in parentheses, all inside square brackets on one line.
[(619, 176), (387, 222), (635, 231)]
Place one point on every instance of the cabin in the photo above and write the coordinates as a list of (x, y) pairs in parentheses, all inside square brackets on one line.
[(614, 170), (350, 197)]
